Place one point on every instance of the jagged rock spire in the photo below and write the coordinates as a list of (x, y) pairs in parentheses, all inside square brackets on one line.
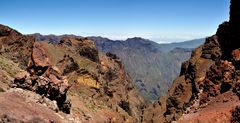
[(235, 13)]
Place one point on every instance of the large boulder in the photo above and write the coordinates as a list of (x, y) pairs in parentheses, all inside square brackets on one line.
[(39, 62)]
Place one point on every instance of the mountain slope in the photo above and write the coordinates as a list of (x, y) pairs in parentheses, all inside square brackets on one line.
[(69, 81)]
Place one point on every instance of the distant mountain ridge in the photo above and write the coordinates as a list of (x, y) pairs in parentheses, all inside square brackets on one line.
[(52, 38), (152, 66), (185, 44)]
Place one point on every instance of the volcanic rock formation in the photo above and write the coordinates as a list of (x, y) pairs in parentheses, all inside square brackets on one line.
[(70, 77), (44, 79)]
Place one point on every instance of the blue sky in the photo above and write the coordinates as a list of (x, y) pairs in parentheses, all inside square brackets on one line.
[(159, 20)]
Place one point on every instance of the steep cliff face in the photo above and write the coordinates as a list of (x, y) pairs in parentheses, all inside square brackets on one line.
[(152, 66), (207, 89), (101, 90)]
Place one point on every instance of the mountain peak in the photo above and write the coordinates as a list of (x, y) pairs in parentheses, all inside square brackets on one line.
[(137, 38), (6, 31)]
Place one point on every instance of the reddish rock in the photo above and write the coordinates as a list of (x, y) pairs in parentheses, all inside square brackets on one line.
[(236, 55), (236, 58), (17, 107), (211, 49), (44, 79), (39, 61), (219, 110), (39, 56), (15, 46)]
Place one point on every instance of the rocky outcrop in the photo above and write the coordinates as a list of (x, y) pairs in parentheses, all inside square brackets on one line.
[(87, 48), (84, 46), (65, 41), (67, 65), (15, 46), (44, 79), (39, 62)]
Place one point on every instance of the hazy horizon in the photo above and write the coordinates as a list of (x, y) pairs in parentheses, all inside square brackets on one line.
[(124, 39), (162, 21)]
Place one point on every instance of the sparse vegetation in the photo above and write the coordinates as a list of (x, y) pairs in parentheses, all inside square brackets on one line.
[(10, 67)]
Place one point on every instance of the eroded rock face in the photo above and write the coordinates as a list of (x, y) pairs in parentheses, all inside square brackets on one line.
[(211, 49), (15, 46), (39, 62), (87, 48), (219, 79), (117, 86), (67, 65), (65, 41), (44, 79)]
